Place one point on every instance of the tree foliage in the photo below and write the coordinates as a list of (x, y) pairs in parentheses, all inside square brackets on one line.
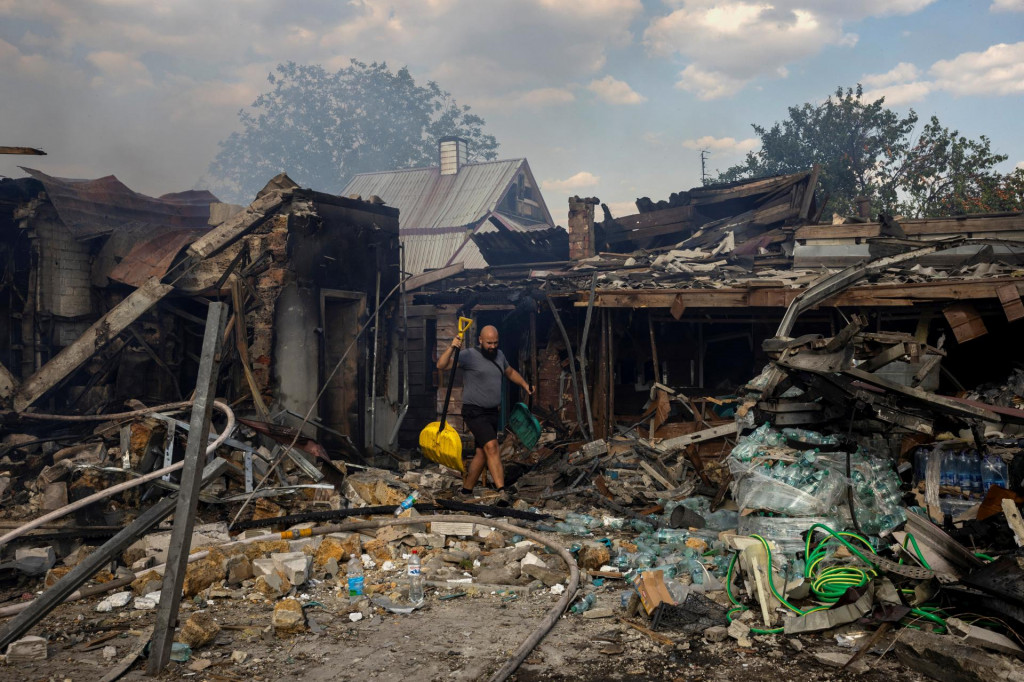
[(323, 128), (866, 149)]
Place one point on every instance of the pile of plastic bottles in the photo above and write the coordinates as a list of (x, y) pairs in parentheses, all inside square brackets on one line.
[(964, 469), (877, 500)]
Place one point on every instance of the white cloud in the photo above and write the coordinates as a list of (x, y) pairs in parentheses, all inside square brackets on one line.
[(1006, 6), (1020, 165), (708, 85), (723, 145), (123, 71), (614, 91), (581, 180), (903, 72), (619, 209), (900, 94), (110, 72), (729, 44), (999, 70)]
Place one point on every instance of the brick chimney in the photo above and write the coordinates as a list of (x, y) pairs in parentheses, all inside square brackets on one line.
[(454, 154), (581, 227)]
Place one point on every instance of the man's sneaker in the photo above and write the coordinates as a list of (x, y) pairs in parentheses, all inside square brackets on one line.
[(464, 493), (504, 498)]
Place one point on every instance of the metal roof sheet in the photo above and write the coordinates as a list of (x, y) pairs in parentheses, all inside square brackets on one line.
[(92, 208), (429, 251), (425, 198)]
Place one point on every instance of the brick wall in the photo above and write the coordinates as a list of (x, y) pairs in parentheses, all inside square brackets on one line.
[(581, 227)]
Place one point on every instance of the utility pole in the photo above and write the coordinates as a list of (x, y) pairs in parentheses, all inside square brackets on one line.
[(704, 154)]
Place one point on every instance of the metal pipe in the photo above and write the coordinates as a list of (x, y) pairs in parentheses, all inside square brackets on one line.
[(120, 487), (373, 378)]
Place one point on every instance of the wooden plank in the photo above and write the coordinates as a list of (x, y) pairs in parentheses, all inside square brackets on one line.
[(644, 221), (191, 483), (890, 354), (680, 442), (812, 183), (1009, 297), (1014, 520), (901, 294), (8, 382), (919, 228), (23, 151), (102, 332), (417, 281), (235, 227), (646, 466)]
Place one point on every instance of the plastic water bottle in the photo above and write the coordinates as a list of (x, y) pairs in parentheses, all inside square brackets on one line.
[(355, 578), (415, 579), (407, 503), (583, 604), (963, 473), (976, 488), (993, 472), (948, 472), (672, 535)]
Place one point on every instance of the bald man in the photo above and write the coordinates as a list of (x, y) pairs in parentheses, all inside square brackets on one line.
[(482, 371)]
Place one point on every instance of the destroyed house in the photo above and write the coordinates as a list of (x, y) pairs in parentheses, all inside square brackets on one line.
[(681, 294), (107, 291), (476, 214)]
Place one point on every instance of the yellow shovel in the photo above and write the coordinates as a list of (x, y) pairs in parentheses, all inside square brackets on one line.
[(439, 442)]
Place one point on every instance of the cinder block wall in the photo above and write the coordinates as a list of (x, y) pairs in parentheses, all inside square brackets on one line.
[(64, 271)]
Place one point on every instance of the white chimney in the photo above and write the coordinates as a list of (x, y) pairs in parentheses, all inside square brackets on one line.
[(454, 152)]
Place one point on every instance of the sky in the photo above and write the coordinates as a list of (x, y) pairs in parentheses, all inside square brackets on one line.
[(606, 98)]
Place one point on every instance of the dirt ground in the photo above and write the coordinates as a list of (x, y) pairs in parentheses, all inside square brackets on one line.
[(465, 638)]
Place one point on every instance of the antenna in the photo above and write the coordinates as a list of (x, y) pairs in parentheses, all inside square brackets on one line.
[(704, 154)]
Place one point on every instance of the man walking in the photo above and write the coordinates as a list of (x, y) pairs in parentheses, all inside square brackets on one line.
[(482, 372)]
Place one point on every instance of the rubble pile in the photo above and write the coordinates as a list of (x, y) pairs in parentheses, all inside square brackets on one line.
[(848, 498)]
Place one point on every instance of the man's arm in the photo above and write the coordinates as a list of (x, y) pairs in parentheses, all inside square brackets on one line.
[(446, 360), (518, 380)]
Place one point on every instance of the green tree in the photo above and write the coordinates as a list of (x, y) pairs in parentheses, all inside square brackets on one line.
[(322, 128), (866, 149)]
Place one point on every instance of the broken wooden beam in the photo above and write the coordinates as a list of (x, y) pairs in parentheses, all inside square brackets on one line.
[(890, 354), (102, 332), (671, 445), (191, 483), (235, 227)]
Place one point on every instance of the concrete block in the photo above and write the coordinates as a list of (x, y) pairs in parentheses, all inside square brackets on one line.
[(26, 650), (293, 565)]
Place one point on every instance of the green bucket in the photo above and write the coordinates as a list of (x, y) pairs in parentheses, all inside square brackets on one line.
[(524, 425)]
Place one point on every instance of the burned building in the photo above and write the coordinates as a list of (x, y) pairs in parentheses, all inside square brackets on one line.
[(106, 292)]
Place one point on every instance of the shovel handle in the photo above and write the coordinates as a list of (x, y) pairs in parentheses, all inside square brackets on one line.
[(464, 324)]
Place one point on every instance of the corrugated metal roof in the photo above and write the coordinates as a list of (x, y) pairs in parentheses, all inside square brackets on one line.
[(432, 250), (152, 256), (92, 208), (502, 239), (425, 198)]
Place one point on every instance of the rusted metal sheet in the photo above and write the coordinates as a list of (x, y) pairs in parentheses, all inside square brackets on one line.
[(95, 337), (152, 257), (92, 208)]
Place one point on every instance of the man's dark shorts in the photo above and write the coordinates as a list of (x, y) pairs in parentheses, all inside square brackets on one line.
[(482, 422)]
